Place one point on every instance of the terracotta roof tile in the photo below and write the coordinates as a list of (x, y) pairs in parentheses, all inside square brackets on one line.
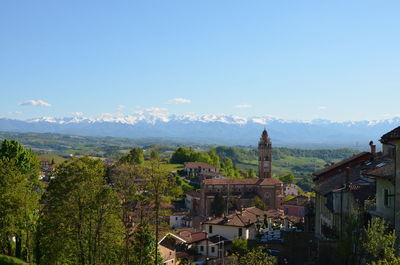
[(384, 171), (252, 181), (244, 218), (198, 164)]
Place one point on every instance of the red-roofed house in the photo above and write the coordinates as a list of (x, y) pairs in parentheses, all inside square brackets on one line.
[(197, 168)]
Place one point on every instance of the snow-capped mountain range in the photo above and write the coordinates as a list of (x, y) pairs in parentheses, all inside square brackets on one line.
[(212, 129)]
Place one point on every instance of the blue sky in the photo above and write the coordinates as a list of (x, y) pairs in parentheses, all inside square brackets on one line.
[(338, 60)]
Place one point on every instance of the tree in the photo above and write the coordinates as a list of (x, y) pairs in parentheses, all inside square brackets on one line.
[(218, 205), (144, 245), (158, 185), (80, 222), (239, 246), (257, 256), (135, 157), (350, 242), (379, 244), (20, 191), (180, 156), (259, 203), (287, 179), (154, 155), (128, 183), (251, 173)]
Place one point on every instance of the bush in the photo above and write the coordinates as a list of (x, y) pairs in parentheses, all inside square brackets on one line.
[(7, 260)]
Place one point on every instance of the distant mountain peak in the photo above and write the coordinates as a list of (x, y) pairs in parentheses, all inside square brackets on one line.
[(211, 128)]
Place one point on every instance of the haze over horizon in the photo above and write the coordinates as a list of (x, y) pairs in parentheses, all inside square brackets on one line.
[(290, 60)]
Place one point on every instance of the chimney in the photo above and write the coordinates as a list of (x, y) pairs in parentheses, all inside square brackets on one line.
[(373, 148)]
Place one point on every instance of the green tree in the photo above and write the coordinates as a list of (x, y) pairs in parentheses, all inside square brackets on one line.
[(257, 256), (80, 222), (259, 203), (350, 242), (20, 191), (214, 158), (218, 205), (126, 179), (180, 156), (251, 173), (239, 246), (379, 244), (154, 155), (157, 191), (134, 157), (287, 179), (144, 245)]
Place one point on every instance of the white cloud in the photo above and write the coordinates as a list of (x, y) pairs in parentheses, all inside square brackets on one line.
[(322, 107), (77, 113), (120, 107), (33, 102), (155, 109), (179, 101), (243, 106), (15, 113)]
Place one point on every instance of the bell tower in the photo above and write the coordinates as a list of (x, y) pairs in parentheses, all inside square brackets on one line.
[(264, 156)]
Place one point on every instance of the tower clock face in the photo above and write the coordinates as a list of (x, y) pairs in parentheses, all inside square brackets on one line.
[(266, 166)]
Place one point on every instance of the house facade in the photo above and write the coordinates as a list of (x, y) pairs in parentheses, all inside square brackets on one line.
[(342, 189), (297, 206), (197, 168), (388, 181), (192, 201)]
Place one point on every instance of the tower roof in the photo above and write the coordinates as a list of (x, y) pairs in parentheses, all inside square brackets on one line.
[(264, 137), (264, 133)]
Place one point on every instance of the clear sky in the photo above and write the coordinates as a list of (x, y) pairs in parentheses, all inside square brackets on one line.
[(338, 60)]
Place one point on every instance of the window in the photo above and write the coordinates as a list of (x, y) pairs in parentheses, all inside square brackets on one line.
[(210, 229), (240, 232), (176, 218), (212, 249), (201, 248), (386, 197)]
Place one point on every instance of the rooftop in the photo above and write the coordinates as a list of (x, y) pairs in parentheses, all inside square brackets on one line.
[(392, 135), (341, 163), (251, 181), (300, 200), (190, 235), (199, 164), (244, 218)]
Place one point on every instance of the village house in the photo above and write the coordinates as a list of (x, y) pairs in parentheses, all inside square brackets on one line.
[(167, 247), (192, 201), (193, 238), (197, 168), (177, 219), (243, 192), (215, 246), (387, 174), (342, 189), (242, 224), (297, 206), (290, 189)]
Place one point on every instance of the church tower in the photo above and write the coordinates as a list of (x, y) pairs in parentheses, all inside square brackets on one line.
[(264, 156)]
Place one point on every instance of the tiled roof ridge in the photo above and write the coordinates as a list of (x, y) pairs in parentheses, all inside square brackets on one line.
[(340, 163)]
